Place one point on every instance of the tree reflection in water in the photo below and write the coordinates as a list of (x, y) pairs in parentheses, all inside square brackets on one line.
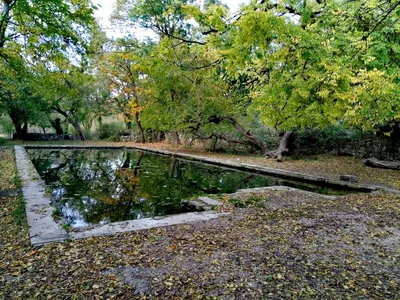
[(102, 186)]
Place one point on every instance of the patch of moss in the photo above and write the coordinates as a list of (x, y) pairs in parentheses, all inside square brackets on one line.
[(57, 214)]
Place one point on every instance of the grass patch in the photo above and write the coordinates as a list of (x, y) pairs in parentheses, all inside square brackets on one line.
[(56, 214), (66, 226), (18, 182), (18, 213)]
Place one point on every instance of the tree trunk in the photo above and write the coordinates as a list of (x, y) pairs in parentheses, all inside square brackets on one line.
[(24, 130), (176, 137), (285, 146), (395, 135), (160, 136), (20, 128), (71, 119), (78, 128), (141, 131), (136, 168), (254, 140), (214, 141), (376, 163), (172, 167), (57, 126)]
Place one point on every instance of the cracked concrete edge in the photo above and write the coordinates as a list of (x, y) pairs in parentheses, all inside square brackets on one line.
[(203, 203), (285, 174), (42, 227), (134, 225), (281, 188), (210, 201)]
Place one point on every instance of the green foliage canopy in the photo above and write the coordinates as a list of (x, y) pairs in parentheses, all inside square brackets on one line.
[(42, 45), (294, 63)]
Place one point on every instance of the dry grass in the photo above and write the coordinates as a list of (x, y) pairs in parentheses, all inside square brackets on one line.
[(8, 169)]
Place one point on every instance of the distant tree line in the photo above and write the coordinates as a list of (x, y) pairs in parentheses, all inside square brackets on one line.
[(210, 74)]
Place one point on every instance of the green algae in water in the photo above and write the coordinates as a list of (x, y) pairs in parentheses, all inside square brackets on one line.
[(92, 187)]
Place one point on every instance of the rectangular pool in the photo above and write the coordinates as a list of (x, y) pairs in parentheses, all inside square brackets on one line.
[(96, 187)]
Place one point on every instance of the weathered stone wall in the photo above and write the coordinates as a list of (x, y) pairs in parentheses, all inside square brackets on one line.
[(48, 137), (349, 143), (381, 148)]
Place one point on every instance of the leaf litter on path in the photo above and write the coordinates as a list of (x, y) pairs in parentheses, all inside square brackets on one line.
[(280, 244)]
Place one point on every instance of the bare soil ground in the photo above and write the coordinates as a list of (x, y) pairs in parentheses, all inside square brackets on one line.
[(272, 245)]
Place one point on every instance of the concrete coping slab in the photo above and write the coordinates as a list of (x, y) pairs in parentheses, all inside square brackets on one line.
[(133, 225), (199, 205), (39, 212), (203, 203), (282, 188), (210, 201)]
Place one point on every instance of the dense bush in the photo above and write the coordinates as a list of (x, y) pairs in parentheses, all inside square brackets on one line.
[(110, 131), (339, 140), (269, 136), (316, 140)]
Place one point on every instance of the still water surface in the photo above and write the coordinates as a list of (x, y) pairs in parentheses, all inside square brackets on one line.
[(91, 187)]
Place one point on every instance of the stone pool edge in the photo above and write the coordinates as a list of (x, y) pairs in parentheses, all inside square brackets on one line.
[(284, 174), (39, 213), (148, 223), (43, 229)]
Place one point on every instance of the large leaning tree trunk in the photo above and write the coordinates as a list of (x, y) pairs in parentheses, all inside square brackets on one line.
[(21, 130), (382, 164), (250, 139), (72, 120), (78, 128), (285, 146)]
